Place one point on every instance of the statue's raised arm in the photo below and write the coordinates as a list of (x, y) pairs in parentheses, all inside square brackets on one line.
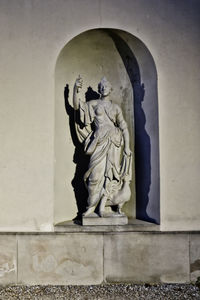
[(83, 114), (76, 94)]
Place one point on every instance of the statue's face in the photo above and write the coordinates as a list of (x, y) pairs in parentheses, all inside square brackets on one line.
[(104, 89)]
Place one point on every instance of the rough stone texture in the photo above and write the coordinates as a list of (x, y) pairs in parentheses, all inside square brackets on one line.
[(194, 257), (138, 257), (102, 292), (60, 259), (8, 259)]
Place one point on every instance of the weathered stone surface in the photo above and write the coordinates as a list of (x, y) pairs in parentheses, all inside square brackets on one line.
[(132, 226), (194, 256), (140, 257), (60, 259), (8, 260), (107, 220)]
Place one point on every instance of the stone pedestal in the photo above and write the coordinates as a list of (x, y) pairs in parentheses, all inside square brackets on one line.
[(107, 219)]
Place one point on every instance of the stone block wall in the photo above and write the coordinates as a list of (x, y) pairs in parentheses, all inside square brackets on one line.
[(99, 257)]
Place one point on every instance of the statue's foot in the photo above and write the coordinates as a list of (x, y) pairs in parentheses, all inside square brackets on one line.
[(88, 211), (122, 213), (101, 214), (119, 212), (100, 209)]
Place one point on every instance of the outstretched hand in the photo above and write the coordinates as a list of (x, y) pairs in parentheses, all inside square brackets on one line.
[(78, 83)]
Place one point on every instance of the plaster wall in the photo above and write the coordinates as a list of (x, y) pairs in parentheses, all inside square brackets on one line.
[(32, 35)]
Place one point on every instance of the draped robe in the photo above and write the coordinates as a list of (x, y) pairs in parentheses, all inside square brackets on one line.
[(108, 166)]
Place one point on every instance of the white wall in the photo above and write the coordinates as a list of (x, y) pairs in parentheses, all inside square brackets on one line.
[(32, 35)]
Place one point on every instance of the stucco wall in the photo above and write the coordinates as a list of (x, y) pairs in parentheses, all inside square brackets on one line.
[(32, 36)]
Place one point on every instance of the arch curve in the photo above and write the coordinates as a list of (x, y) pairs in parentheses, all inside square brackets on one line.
[(100, 52)]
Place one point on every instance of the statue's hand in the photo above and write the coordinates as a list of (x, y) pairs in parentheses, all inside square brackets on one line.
[(78, 83), (127, 151)]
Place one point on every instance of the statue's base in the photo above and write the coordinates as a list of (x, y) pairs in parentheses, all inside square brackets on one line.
[(107, 219)]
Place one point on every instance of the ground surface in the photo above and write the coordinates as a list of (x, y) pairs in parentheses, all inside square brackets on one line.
[(101, 292)]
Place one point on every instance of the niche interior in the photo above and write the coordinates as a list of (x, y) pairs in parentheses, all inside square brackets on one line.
[(129, 66)]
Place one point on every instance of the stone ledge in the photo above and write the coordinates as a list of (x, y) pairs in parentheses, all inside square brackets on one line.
[(107, 220), (133, 225)]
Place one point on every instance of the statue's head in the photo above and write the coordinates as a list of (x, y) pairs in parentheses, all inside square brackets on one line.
[(104, 87)]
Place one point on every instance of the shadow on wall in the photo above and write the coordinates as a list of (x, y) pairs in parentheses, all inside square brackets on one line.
[(80, 159), (142, 139)]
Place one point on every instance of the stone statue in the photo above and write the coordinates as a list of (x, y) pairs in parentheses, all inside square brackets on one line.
[(105, 135)]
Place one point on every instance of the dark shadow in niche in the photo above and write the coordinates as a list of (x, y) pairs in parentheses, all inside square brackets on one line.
[(91, 94), (142, 139), (80, 159)]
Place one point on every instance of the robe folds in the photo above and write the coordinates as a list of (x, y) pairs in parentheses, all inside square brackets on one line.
[(103, 136)]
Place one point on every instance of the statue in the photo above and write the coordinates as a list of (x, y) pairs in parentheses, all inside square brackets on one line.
[(105, 135)]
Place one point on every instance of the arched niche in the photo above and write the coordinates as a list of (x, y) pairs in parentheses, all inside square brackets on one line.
[(129, 66)]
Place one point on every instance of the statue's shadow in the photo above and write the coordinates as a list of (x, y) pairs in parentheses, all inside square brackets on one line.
[(142, 138), (80, 159)]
